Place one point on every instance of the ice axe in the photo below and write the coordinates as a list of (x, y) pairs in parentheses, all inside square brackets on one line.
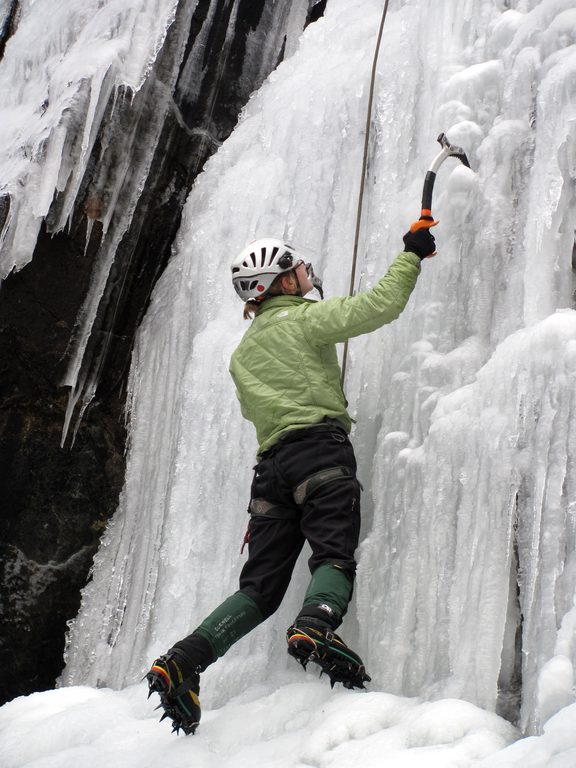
[(448, 150)]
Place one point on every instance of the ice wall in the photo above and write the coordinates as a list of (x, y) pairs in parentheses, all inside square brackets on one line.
[(465, 408)]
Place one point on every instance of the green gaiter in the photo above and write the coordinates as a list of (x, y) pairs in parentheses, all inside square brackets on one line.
[(330, 585), (233, 619)]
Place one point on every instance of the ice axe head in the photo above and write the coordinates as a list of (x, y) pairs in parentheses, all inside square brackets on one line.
[(448, 150)]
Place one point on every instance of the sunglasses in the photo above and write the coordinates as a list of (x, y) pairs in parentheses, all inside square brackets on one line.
[(286, 261)]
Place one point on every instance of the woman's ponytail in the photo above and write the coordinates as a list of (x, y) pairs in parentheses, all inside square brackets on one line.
[(253, 305), (250, 309)]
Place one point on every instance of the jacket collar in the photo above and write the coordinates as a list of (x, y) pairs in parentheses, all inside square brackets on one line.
[(285, 300)]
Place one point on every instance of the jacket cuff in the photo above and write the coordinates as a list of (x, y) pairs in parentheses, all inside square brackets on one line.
[(413, 258)]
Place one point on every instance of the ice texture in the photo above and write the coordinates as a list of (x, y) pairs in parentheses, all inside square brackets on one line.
[(465, 406)]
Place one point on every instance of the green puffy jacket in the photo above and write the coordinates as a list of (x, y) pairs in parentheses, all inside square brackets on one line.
[(286, 369)]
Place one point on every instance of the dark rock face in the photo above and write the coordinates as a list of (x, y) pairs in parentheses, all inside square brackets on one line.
[(56, 501), (8, 23)]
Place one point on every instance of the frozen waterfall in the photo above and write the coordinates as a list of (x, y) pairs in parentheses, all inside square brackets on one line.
[(465, 407), (92, 95)]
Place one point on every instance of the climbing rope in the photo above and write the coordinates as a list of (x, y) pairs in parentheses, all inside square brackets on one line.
[(363, 175)]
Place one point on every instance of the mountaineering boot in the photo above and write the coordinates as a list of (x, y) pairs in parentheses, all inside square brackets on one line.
[(311, 639), (177, 681)]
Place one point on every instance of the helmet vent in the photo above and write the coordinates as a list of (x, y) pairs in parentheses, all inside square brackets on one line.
[(253, 257)]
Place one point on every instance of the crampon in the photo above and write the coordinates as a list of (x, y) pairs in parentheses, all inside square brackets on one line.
[(178, 690), (308, 643)]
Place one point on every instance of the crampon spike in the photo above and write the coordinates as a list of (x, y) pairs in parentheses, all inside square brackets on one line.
[(335, 659)]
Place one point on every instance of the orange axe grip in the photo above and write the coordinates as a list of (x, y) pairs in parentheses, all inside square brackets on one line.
[(424, 223)]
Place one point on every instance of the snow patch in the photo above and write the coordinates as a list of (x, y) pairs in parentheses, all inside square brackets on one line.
[(281, 724)]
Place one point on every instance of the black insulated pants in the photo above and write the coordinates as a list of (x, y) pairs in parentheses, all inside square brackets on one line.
[(304, 489)]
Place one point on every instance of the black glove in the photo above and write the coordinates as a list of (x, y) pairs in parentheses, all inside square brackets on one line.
[(421, 242)]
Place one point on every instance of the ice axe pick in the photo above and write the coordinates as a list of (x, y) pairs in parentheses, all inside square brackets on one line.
[(448, 150)]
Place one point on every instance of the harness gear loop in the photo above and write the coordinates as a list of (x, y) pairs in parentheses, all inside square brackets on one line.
[(246, 539)]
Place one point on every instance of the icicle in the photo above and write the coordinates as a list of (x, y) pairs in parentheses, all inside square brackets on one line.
[(39, 126), (89, 227), (73, 397)]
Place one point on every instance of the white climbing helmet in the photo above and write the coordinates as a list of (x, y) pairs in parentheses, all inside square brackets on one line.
[(258, 264)]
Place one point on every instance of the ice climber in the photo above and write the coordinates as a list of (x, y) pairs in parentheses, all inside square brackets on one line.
[(304, 488)]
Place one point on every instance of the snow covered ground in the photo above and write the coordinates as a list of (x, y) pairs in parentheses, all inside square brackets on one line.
[(291, 721), (299, 723)]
